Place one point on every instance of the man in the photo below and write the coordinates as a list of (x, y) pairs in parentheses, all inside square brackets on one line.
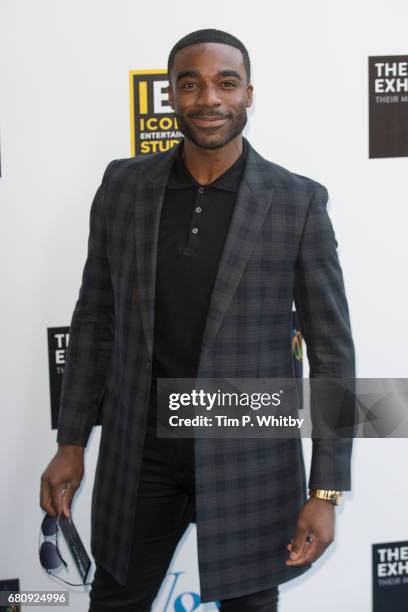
[(194, 259)]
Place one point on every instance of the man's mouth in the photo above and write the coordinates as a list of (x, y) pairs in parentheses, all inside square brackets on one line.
[(211, 121)]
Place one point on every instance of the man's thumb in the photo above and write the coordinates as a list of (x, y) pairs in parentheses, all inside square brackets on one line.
[(298, 543), (66, 497)]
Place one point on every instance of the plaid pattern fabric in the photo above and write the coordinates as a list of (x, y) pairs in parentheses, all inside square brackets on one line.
[(280, 247)]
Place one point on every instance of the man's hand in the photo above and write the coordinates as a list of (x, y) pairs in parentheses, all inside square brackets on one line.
[(314, 533), (61, 479)]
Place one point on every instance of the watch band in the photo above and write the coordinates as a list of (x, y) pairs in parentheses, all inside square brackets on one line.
[(334, 497)]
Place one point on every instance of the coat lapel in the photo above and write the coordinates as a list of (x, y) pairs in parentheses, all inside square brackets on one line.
[(252, 204), (149, 196), (253, 201)]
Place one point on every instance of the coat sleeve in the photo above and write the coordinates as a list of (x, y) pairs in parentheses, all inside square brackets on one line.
[(322, 308), (91, 334)]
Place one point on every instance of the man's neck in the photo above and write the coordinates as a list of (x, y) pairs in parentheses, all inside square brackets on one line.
[(206, 165)]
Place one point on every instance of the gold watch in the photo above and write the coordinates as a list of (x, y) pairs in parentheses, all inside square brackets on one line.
[(334, 497)]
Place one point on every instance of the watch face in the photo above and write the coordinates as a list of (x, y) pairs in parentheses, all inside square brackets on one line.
[(334, 497)]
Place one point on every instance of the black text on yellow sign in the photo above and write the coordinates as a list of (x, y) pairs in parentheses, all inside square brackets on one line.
[(153, 124)]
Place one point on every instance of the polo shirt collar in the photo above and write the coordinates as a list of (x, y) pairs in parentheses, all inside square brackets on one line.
[(180, 177)]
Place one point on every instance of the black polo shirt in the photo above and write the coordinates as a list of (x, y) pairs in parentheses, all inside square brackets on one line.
[(194, 223)]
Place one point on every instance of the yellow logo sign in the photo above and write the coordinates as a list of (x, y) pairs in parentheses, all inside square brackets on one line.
[(153, 124)]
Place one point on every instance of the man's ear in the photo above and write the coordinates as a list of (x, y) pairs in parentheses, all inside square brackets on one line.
[(171, 96), (250, 91)]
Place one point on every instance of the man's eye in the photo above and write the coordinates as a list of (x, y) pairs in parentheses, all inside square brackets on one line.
[(188, 85), (228, 84)]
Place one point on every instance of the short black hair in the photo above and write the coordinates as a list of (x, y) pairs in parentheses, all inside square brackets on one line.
[(210, 36)]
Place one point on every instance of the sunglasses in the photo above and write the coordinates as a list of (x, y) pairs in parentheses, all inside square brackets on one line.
[(50, 555)]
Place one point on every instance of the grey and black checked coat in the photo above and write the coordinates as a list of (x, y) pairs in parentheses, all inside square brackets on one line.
[(280, 247)]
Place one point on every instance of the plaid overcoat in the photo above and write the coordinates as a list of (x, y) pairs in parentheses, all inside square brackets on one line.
[(280, 248)]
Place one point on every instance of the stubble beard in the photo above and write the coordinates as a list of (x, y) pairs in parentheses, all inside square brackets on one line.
[(213, 141)]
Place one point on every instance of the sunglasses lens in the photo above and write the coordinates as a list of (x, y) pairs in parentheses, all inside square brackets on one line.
[(49, 556), (49, 525)]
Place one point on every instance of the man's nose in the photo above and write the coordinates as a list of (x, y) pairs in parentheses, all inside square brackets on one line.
[(210, 96)]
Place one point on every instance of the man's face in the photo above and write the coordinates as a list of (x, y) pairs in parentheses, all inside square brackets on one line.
[(209, 93)]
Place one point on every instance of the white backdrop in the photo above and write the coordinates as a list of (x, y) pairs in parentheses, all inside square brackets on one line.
[(64, 112)]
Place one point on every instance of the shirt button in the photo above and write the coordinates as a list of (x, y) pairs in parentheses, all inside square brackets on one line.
[(201, 190), (198, 209), (195, 230)]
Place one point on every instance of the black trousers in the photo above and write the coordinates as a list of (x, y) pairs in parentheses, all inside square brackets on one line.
[(165, 508)]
